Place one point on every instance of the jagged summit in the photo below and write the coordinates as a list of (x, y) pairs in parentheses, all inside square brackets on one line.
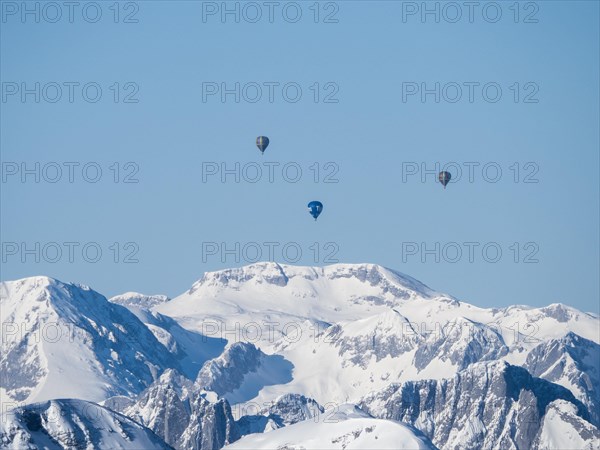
[(72, 423), (139, 300), (507, 401)]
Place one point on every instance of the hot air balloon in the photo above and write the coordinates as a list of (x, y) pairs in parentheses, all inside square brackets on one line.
[(444, 178), (315, 208), (262, 142)]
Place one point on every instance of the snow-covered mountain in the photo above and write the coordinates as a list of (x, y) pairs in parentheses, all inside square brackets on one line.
[(267, 347), (573, 362), (274, 291), (489, 405), (342, 427), (67, 341), (71, 424), (350, 329)]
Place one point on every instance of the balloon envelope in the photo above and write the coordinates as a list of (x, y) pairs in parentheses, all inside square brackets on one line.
[(262, 142), (444, 178), (315, 208)]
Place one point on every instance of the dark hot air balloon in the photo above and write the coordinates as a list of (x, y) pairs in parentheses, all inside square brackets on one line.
[(444, 178), (262, 142), (315, 208)]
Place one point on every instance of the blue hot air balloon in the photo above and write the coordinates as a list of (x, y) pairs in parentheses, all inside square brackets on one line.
[(444, 178), (262, 142), (315, 208)]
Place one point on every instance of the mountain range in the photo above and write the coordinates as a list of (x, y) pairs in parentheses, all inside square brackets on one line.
[(278, 356)]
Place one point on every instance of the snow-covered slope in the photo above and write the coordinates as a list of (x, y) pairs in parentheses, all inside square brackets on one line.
[(289, 294), (190, 348), (73, 424), (64, 340), (343, 427), (562, 428), (351, 329)]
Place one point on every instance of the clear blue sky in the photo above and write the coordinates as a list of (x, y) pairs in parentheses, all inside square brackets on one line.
[(369, 134)]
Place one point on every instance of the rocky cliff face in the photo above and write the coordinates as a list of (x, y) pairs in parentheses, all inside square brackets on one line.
[(284, 411), (71, 424), (183, 415), (573, 362), (489, 405), (226, 373), (211, 425)]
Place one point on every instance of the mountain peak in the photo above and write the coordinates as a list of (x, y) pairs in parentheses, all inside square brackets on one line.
[(280, 275), (46, 295), (38, 284), (559, 312), (68, 339), (139, 300)]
